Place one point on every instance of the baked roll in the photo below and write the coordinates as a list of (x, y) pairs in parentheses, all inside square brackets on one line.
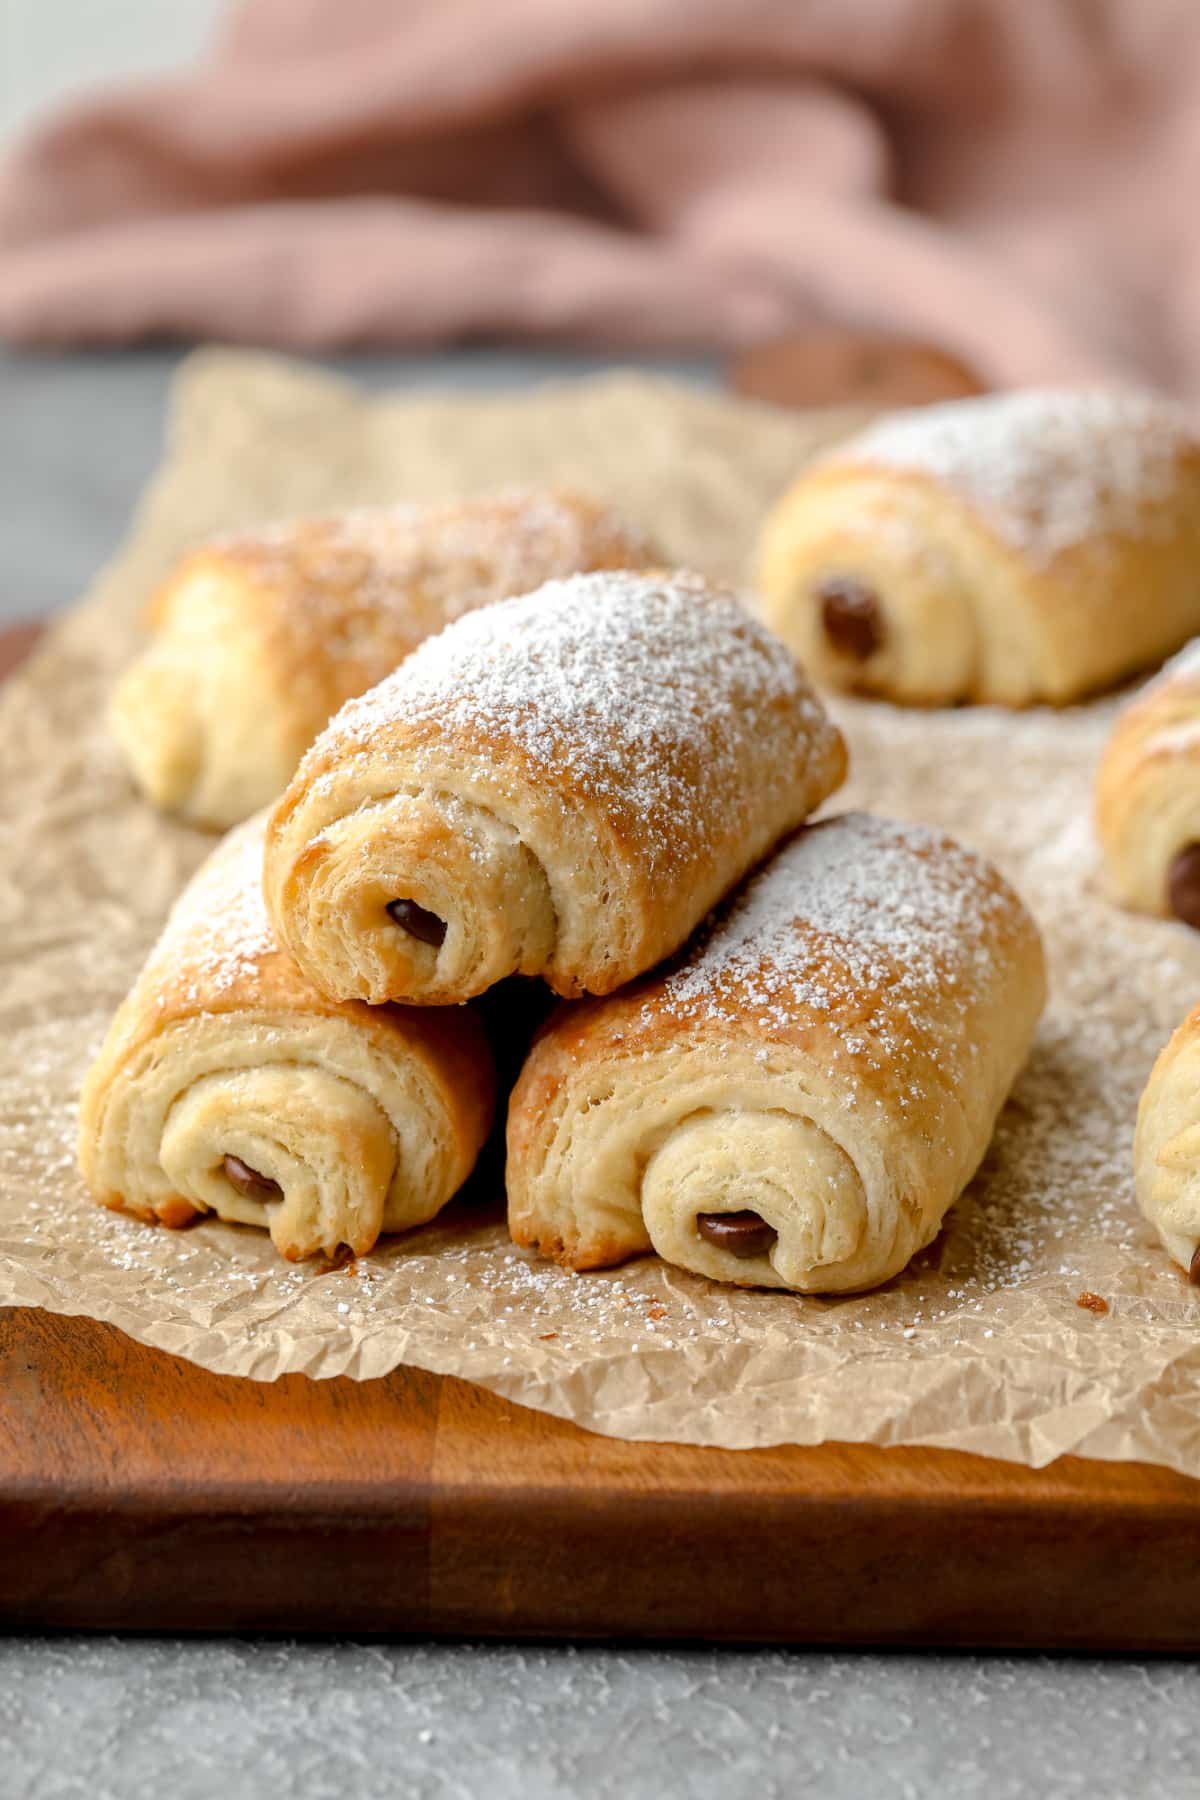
[(259, 639), (1166, 1148), (1148, 796), (559, 786), (799, 1101), (228, 1085), (1018, 548)]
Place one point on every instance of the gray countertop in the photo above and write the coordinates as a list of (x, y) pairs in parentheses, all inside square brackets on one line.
[(107, 1717)]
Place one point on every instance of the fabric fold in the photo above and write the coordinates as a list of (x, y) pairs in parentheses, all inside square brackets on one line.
[(1004, 181)]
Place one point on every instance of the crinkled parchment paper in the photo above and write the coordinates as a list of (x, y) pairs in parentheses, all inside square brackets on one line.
[(980, 1345)]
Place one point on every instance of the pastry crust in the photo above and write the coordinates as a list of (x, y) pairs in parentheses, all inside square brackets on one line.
[(831, 1055), (367, 1120), (260, 638), (564, 784), (1016, 549), (1148, 790), (1166, 1149)]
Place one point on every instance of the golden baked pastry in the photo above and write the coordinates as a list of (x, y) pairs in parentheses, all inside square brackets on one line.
[(1148, 796), (1018, 548), (561, 785), (260, 638), (1166, 1150), (227, 1084), (799, 1101)]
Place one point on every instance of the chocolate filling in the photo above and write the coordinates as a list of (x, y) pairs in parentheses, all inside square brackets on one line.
[(741, 1233), (1183, 886), (248, 1181), (1194, 1269), (851, 616), (418, 922)]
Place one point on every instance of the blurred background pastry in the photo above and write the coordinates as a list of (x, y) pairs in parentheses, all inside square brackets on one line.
[(1023, 547)]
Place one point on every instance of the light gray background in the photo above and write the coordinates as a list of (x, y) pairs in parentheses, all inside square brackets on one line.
[(53, 49), (116, 1719), (106, 1719)]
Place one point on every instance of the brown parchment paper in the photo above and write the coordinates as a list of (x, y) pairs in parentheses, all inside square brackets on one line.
[(980, 1345)]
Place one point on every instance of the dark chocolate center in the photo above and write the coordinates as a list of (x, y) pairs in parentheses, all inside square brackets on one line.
[(741, 1233), (1183, 886), (418, 921), (851, 616), (248, 1181), (1194, 1269)]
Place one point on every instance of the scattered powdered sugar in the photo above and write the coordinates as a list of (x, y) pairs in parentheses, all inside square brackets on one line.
[(218, 930), (859, 915), (655, 694), (1050, 468)]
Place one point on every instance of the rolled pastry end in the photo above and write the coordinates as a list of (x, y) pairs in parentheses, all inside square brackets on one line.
[(323, 1131), (425, 895), (203, 716), (305, 1154), (1147, 799), (1169, 1193), (872, 598), (760, 1201), (195, 745), (154, 720)]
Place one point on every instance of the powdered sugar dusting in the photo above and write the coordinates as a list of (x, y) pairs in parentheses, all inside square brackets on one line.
[(1048, 467), (635, 689), (858, 918), (218, 930), (425, 565)]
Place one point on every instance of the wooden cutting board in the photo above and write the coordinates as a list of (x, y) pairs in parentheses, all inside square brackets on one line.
[(138, 1491)]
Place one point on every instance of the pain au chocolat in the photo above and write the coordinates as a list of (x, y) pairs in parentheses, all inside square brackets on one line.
[(798, 1102), (559, 786), (227, 1084), (1014, 549)]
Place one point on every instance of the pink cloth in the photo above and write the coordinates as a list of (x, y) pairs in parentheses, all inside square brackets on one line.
[(1015, 180)]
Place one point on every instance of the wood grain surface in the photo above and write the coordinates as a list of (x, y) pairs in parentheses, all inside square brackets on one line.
[(138, 1491), (15, 645)]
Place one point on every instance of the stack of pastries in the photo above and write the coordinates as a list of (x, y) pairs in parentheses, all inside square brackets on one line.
[(779, 1048)]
